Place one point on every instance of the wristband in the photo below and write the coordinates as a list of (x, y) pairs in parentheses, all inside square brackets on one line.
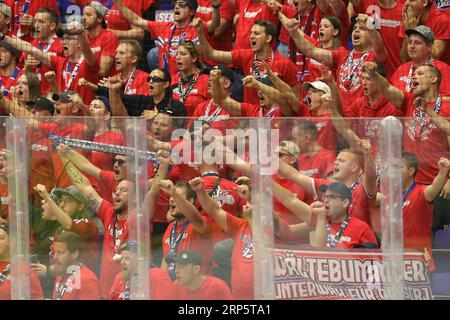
[(217, 7)]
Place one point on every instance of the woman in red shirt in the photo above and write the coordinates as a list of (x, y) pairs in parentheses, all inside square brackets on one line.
[(189, 84)]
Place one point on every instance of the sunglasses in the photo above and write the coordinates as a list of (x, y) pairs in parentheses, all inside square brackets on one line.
[(155, 79), (181, 4), (119, 161)]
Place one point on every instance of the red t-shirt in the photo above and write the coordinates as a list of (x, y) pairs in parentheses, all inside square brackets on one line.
[(89, 287), (212, 288), (224, 41), (41, 165), (167, 37), (361, 203), (105, 44), (356, 233), (137, 83), (5, 287), (67, 75), (390, 21), (313, 68), (104, 160), (438, 22), (242, 258), (107, 185), (197, 95), (402, 77), (160, 285), (320, 165), (249, 12), (88, 232), (349, 66), (424, 139), (4, 200), (191, 239), (244, 60), (286, 215), (417, 219), (109, 267), (326, 132), (9, 81), (255, 111), (17, 11), (52, 47), (216, 116)]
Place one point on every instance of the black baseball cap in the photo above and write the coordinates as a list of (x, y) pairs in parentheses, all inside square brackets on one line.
[(339, 188), (10, 48), (42, 104), (188, 257), (64, 97), (105, 101), (226, 72)]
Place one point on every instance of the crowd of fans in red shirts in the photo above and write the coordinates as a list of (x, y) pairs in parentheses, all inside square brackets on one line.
[(326, 72)]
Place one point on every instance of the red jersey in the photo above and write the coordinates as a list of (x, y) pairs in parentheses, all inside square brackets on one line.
[(195, 96), (320, 165), (5, 286), (68, 73), (356, 233), (245, 60), (402, 77), (160, 285), (389, 21), (255, 111), (52, 47), (4, 200), (217, 117), (6, 82), (114, 18), (137, 83), (349, 66), (417, 219), (286, 215), (326, 132), (41, 165), (438, 22), (224, 41), (107, 185), (105, 44), (242, 258), (424, 139), (189, 238), (18, 9), (85, 287), (313, 68), (103, 160), (249, 12), (212, 288), (361, 202), (167, 37), (109, 267)]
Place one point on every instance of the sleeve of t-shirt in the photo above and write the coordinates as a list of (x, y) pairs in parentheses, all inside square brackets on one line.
[(106, 177), (249, 110), (105, 208), (336, 55), (234, 223), (441, 28), (155, 28), (240, 58)]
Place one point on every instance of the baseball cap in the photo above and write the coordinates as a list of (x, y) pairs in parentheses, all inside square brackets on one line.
[(10, 48), (105, 101), (42, 103), (226, 72), (288, 147), (423, 31), (338, 187), (188, 256), (64, 97), (72, 192), (6, 10), (319, 85), (99, 8)]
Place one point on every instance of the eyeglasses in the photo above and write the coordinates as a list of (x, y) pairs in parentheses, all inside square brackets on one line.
[(331, 197), (65, 201), (155, 79), (181, 4), (119, 161)]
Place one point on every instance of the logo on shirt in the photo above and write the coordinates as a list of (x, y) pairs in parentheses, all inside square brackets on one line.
[(309, 172), (251, 15), (406, 203), (247, 251), (222, 197)]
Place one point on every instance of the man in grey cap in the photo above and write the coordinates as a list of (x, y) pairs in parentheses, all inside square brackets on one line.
[(5, 18), (103, 42), (419, 49)]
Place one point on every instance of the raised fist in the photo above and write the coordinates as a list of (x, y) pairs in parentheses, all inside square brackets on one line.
[(196, 184), (50, 76)]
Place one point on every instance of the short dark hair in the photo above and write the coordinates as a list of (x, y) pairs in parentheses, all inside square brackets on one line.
[(269, 28), (72, 240), (190, 194), (411, 161), (54, 17), (307, 126)]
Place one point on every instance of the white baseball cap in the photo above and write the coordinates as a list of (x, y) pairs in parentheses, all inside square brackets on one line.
[(319, 85)]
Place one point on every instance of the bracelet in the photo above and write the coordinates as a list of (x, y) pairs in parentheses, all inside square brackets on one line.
[(216, 7)]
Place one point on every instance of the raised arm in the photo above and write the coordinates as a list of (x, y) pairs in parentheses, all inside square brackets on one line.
[(375, 38), (63, 218), (440, 122), (393, 94), (155, 190), (370, 170), (293, 175), (221, 97), (435, 188), (28, 48), (79, 161), (215, 22), (291, 202), (206, 49), (131, 17), (305, 47), (114, 84), (208, 204)]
